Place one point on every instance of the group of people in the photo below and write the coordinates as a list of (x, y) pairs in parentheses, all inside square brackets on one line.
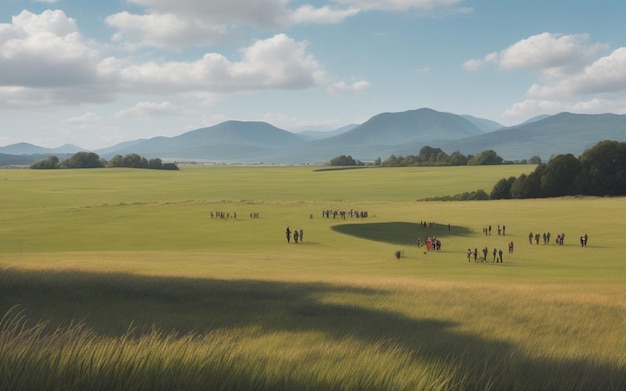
[(583, 240), (223, 215), (297, 235), (560, 238), (431, 243), (343, 214), (501, 230), (497, 254)]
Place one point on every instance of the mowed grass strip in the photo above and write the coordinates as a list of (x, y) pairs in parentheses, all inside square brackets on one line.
[(123, 278)]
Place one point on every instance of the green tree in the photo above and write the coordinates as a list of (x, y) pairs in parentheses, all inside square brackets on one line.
[(116, 161), (603, 169), (51, 162), (156, 164), (488, 157), (559, 177), (133, 160), (82, 160), (502, 189), (458, 159)]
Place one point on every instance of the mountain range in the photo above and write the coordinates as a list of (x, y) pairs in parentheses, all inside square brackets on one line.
[(400, 134)]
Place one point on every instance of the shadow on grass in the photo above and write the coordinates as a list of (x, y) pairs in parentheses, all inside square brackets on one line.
[(399, 232), (110, 303)]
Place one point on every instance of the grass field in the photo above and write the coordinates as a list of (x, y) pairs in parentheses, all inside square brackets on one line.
[(121, 279)]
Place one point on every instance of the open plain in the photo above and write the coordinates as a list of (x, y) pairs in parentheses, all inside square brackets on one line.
[(146, 280)]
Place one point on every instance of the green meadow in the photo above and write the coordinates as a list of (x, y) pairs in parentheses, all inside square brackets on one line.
[(122, 279)]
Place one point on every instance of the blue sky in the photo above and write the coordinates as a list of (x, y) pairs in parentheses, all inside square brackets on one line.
[(96, 73)]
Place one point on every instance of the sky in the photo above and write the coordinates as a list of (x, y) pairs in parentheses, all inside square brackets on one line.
[(97, 73)]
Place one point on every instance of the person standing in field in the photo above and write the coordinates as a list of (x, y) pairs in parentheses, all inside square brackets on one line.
[(469, 254), (288, 234), (485, 251), (495, 253), (301, 235), (475, 254), (295, 236), (500, 255), (530, 238)]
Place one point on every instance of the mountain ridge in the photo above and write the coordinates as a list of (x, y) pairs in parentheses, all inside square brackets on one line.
[(402, 133)]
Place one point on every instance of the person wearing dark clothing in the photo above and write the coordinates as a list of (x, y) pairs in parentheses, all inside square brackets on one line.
[(288, 234), (295, 236), (495, 253), (475, 255), (301, 235), (500, 255)]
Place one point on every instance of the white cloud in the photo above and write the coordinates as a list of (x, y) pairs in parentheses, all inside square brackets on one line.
[(606, 75), (149, 109), (174, 24), (83, 121), (168, 24), (274, 63), (44, 50), (343, 88), (164, 30), (322, 15), (44, 61), (544, 51), (254, 13)]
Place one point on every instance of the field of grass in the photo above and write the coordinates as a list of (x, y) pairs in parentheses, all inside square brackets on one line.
[(122, 279)]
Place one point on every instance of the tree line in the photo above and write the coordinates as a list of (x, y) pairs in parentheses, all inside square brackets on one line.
[(599, 171), (93, 160), (430, 156)]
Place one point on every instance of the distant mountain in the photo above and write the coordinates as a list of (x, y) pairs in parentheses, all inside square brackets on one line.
[(403, 133), (30, 149), (228, 141), (383, 134), (556, 134), (311, 135), (483, 124)]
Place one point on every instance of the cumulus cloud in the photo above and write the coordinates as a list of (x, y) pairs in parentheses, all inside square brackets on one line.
[(541, 52), (572, 77), (173, 24), (322, 15), (168, 24), (274, 63), (44, 61), (44, 50), (606, 75), (164, 30)]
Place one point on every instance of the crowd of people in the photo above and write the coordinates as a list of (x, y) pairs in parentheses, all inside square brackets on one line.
[(431, 243), (223, 215), (343, 214)]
